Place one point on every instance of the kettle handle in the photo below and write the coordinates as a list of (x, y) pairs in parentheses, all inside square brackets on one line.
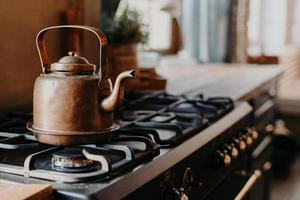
[(44, 55)]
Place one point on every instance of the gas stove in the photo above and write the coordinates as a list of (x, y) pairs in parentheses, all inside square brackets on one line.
[(153, 151)]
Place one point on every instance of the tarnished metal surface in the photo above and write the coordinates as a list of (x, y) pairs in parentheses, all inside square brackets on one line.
[(72, 104)]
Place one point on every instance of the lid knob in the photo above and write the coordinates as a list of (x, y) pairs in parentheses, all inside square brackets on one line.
[(72, 53), (73, 63)]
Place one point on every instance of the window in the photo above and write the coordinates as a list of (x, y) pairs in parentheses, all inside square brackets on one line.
[(158, 22), (295, 21), (267, 27)]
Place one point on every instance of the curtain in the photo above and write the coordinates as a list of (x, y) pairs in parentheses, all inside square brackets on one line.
[(206, 29)]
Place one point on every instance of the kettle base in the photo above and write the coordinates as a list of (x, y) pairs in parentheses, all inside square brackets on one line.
[(75, 138)]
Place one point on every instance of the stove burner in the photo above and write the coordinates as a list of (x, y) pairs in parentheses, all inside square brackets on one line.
[(151, 124), (71, 160)]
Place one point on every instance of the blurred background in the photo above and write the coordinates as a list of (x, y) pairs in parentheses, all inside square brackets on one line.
[(148, 34)]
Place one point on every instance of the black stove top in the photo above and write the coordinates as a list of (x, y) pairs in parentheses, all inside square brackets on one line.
[(150, 122), (170, 119)]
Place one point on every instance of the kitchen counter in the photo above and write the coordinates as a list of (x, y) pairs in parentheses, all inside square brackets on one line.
[(238, 81)]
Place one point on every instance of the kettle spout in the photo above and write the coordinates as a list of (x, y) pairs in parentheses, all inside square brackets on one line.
[(112, 101)]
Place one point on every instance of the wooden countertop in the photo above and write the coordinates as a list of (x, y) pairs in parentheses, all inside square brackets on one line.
[(238, 81), (18, 191)]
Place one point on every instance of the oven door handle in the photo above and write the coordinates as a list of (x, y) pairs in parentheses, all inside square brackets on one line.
[(249, 184)]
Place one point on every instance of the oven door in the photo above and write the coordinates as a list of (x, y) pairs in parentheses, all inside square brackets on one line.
[(258, 184), (261, 159), (232, 184)]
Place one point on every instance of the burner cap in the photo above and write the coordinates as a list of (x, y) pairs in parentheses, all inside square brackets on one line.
[(71, 160), (73, 153)]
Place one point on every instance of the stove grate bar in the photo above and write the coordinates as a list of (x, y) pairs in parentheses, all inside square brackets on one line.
[(129, 154), (8, 134), (67, 178), (28, 163), (11, 169), (7, 143)]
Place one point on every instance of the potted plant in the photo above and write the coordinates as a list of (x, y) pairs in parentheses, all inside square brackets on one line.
[(124, 31)]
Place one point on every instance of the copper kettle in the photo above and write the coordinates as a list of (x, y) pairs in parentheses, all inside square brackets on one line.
[(72, 103)]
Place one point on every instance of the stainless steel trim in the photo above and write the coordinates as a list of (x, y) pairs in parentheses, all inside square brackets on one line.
[(249, 184), (262, 146), (264, 108)]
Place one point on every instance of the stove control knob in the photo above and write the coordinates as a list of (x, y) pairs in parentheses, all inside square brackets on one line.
[(222, 158), (247, 139), (175, 194), (251, 132), (188, 179), (269, 128), (183, 196), (254, 134), (241, 145), (233, 151)]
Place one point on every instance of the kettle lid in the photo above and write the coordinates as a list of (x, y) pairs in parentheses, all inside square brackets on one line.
[(73, 63)]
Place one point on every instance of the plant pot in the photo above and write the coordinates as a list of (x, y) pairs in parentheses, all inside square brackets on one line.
[(123, 57)]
